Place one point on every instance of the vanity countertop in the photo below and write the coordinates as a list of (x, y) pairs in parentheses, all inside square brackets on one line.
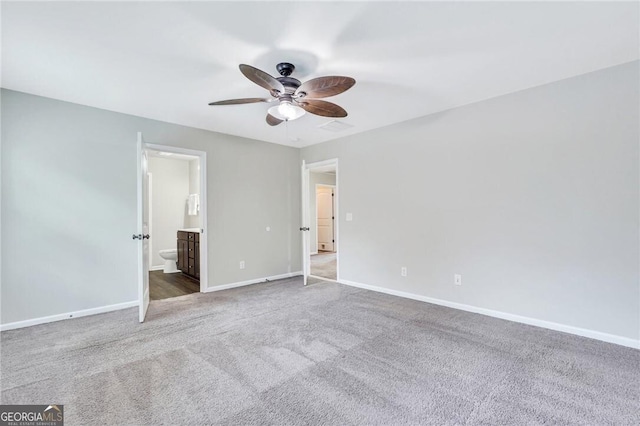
[(190, 230)]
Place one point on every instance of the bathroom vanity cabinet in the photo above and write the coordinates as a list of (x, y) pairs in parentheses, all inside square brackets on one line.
[(189, 253)]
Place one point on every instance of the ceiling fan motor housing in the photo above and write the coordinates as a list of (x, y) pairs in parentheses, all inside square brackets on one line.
[(285, 69), (290, 84)]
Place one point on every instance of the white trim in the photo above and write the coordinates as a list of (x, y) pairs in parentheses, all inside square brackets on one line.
[(305, 236), (254, 281), (598, 335), (150, 195), (173, 149), (68, 315), (314, 253), (203, 239), (161, 268), (323, 163), (318, 277), (204, 246)]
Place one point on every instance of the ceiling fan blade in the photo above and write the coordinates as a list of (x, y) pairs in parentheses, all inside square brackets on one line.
[(240, 101), (323, 108), (261, 78), (272, 121), (323, 87)]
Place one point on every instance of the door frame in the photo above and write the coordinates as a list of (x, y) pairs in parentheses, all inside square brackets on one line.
[(150, 196), (306, 169), (204, 246), (334, 213)]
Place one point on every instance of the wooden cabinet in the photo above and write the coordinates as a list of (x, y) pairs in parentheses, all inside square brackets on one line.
[(182, 254), (189, 253)]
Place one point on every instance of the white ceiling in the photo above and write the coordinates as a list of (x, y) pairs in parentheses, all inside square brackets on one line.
[(166, 61)]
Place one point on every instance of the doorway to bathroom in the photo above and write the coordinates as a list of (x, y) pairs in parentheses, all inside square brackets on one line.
[(173, 204)]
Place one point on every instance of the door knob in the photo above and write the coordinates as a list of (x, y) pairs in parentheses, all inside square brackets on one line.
[(137, 236), (304, 229), (146, 237)]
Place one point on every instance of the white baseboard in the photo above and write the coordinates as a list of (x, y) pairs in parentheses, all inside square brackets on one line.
[(254, 281), (598, 335), (314, 253), (161, 268), (68, 315)]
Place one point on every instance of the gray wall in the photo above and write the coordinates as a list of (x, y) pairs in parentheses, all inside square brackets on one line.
[(315, 179), (194, 188), (69, 205), (532, 197), (169, 193)]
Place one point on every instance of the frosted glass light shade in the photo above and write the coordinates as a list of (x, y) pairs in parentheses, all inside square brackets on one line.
[(286, 111)]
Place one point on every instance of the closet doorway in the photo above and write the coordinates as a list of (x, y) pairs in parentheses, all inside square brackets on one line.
[(323, 258)]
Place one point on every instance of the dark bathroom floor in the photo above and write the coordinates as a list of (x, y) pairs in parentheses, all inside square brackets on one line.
[(164, 286)]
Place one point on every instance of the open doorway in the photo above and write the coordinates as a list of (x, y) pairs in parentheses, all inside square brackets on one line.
[(174, 224), (321, 207), (323, 237), (172, 220)]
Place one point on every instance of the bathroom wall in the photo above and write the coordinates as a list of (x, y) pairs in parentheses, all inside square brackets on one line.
[(314, 179), (194, 188), (169, 192)]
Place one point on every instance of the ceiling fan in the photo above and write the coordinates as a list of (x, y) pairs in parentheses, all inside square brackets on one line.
[(294, 97)]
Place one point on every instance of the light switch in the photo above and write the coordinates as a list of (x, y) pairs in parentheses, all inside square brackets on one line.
[(349, 217), (268, 228), (457, 279)]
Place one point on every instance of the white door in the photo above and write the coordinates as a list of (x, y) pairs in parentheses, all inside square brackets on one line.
[(304, 229), (324, 205), (143, 229)]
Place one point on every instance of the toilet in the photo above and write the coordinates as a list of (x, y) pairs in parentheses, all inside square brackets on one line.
[(170, 257)]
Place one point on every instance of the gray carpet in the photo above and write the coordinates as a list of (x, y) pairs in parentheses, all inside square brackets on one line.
[(281, 353), (324, 265)]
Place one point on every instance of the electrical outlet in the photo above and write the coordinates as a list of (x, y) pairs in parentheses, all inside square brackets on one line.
[(457, 279), (242, 264), (403, 271)]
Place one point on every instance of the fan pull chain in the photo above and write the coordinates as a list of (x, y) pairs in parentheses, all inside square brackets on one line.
[(286, 126)]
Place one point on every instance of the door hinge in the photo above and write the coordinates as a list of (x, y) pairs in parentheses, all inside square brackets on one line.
[(333, 241)]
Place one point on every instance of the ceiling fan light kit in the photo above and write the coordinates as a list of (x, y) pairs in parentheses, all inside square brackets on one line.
[(286, 111), (294, 98)]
